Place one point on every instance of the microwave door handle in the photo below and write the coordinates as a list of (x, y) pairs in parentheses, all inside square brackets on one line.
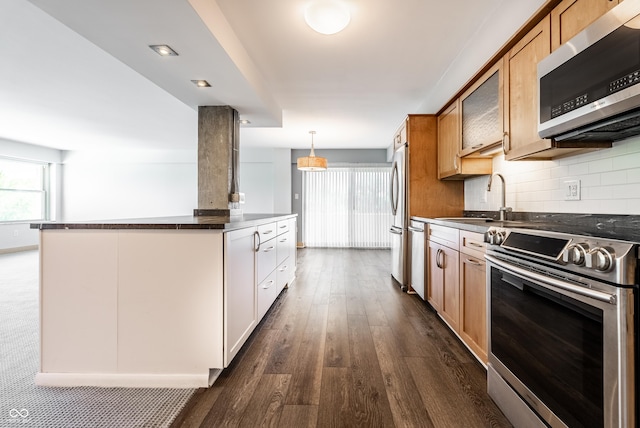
[(563, 285)]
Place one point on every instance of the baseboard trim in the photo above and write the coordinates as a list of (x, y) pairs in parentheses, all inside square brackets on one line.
[(112, 380), (18, 249)]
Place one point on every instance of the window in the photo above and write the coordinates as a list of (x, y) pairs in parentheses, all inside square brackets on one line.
[(23, 190), (347, 207)]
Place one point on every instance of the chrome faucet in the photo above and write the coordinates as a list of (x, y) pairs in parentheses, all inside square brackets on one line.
[(503, 208)]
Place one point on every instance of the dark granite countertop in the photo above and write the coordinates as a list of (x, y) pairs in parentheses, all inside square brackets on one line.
[(469, 224), (179, 222), (613, 226)]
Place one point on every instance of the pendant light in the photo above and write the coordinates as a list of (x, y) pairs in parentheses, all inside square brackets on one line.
[(312, 162)]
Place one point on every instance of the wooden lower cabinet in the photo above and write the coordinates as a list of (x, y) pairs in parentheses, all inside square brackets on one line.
[(473, 305), (443, 290), (473, 293), (457, 284)]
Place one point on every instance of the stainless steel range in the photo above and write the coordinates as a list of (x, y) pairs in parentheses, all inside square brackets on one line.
[(563, 328)]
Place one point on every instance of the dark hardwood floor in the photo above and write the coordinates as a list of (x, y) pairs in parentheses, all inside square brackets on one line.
[(344, 347)]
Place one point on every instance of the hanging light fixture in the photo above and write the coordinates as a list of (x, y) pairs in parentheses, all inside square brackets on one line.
[(312, 162)]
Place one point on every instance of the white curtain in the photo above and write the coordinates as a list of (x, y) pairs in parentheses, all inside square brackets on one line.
[(348, 207)]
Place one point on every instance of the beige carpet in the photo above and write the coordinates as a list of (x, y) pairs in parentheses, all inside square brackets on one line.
[(22, 403)]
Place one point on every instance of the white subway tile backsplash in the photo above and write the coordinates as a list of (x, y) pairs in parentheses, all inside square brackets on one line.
[(627, 191), (626, 161), (610, 183), (627, 146), (559, 171), (613, 177), (579, 168), (633, 206), (598, 192), (600, 165), (587, 180), (633, 175)]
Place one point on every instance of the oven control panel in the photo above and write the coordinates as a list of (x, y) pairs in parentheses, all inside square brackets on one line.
[(604, 258), (495, 236), (600, 258)]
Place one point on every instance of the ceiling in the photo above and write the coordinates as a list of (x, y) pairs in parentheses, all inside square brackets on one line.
[(79, 75)]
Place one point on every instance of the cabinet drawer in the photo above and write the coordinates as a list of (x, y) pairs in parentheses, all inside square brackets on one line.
[(284, 272), (283, 247), (447, 236), (267, 231), (282, 226), (267, 293), (266, 259), (472, 243)]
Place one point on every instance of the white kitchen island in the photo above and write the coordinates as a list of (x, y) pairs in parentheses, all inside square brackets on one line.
[(156, 302)]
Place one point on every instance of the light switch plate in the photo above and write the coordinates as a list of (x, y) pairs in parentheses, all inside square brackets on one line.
[(572, 190)]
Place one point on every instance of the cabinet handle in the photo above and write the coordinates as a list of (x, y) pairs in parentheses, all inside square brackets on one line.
[(505, 141), (284, 226), (283, 268), (477, 146), (271, 248), (267, 284), (438, 256), (474, 244), (283, 240), (455, 162), (473, 262), (256, 234), (268, 232)]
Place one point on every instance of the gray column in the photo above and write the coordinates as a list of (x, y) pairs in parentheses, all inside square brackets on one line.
[(218, 131)]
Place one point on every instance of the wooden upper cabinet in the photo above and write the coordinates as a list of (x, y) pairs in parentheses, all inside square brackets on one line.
[(449, 141), (400, 136), (427, 195), (482, 114), (451, 166), (520, 67), (572, 16), (521, 94)]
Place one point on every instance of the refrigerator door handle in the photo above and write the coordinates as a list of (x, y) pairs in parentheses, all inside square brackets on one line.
[(396, 230), (395, 182), (415, 229)]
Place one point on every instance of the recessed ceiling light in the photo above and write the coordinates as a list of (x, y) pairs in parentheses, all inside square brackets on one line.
[(244, 121), (164, 50), (327, 16), (201, 83)]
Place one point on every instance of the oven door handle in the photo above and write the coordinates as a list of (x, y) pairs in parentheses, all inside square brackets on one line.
[(587, 292)]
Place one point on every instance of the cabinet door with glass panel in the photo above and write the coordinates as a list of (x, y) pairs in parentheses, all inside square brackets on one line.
[(482, 117)]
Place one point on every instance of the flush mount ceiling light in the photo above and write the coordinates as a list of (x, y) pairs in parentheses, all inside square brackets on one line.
[(312, 162), (164, 50), (201, 83), (244, 121), (327, 16)]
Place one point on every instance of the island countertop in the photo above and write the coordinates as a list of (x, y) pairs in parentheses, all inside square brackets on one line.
[(177, 222)]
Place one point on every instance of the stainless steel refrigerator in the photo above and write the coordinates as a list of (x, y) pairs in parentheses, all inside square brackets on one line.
[(399, 232)]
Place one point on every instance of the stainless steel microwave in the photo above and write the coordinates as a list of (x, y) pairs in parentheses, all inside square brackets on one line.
[(589, 88)]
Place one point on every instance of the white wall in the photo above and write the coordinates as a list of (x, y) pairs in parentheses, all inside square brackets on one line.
[(128, 184), (609, 178), (265, 179), (136, 184)]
